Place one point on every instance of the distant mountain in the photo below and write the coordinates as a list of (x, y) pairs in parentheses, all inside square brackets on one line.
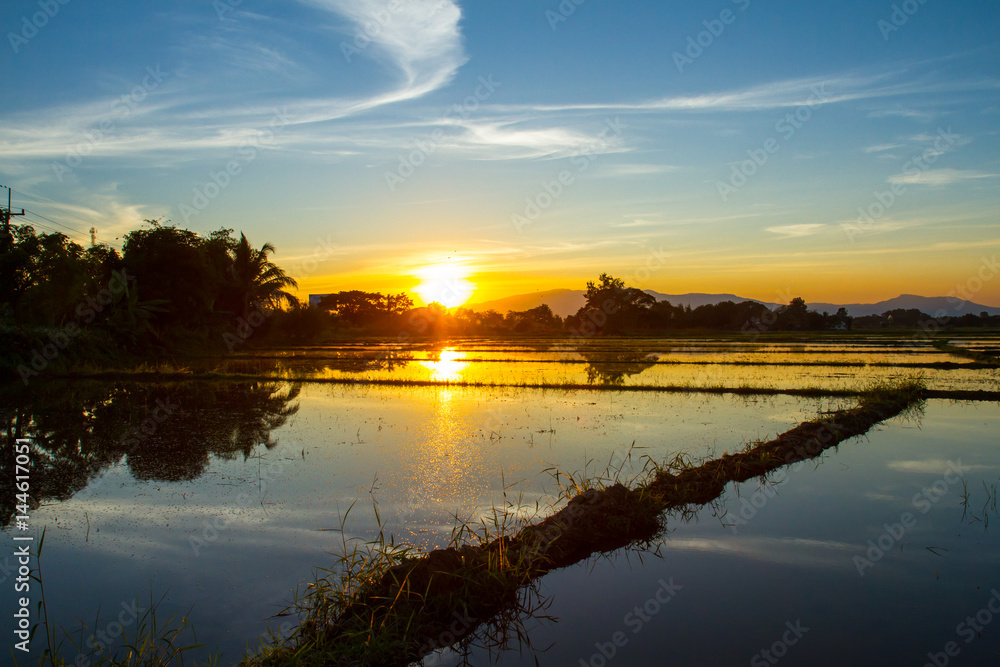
[(927, 304), (565, 302), (695, 299)]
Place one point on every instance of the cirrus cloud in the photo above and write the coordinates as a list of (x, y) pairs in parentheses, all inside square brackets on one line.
[(940, 177)]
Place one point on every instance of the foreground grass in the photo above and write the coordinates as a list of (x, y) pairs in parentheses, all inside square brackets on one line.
[(382, 605), (144, 640)]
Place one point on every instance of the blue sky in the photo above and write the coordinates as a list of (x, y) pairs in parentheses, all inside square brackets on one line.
[(840, 151)]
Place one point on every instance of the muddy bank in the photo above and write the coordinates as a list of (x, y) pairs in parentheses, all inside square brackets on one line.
[(416, 606)]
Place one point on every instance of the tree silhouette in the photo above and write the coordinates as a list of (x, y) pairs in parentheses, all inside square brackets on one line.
[(794, 315), (170, 266), (612, 307), (256, 281)]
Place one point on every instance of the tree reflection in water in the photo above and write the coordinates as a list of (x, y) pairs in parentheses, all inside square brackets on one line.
[(611, 366), (162, 431)]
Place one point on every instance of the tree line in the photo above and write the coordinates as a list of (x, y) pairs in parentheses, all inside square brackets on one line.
[(171, 291), (168, 290)]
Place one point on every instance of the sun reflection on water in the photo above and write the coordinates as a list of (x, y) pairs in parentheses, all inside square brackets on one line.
[(448, 367)]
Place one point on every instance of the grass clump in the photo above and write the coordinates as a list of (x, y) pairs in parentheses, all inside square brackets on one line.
[(383, 604)]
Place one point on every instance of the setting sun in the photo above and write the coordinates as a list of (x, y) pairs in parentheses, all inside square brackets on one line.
[(445, 283)]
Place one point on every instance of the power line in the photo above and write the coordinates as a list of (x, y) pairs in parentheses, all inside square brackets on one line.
[(58, 224), (45, 201), (34, 224), (51, 203), (75, 231), (45, 228)]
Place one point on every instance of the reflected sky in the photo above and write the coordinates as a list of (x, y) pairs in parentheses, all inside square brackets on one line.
[(793, 559), (230, 543), (426, 455)]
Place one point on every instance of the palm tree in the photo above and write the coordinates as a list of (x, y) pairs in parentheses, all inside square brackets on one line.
[(256, 280)]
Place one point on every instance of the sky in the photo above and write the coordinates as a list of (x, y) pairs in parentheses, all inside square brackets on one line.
[(843, 152)]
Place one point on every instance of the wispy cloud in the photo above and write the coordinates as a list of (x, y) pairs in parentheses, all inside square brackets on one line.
[(638, 222), (420, 45), (901, 113), (797, 231), (785, 551), (878, 148), (421, 38), (940, 177), (522, 142), (787, 93), (933, 467), (638, 169)]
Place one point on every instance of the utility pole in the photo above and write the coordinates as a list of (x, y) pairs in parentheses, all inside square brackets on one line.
[(8, 213)]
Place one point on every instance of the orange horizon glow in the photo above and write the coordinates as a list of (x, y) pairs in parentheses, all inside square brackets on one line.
[(482, 291), (455, 283)]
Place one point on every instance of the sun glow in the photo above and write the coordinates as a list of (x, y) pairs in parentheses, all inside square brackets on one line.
[(448, 367), (445, 283)]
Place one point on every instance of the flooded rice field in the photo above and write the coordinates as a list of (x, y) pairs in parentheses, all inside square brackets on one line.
[(225, 497), (695, 363)]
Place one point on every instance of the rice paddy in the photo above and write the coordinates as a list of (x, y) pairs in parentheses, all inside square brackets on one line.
[(278, 472)]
